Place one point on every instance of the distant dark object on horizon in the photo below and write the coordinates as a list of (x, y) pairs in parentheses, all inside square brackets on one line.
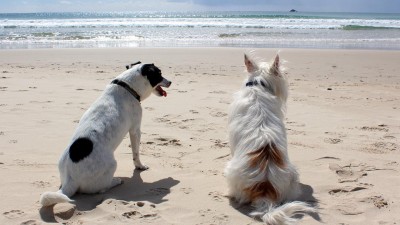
[(293, 10)]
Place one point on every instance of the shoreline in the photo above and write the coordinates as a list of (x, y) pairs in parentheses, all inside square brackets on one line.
[(212, 47), (342, 124), (209, 47), (202, 29)]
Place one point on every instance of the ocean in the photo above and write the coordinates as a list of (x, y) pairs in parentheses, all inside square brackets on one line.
[(200, 29)]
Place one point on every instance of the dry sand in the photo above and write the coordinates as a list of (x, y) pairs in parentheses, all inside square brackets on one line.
[(343, 125)]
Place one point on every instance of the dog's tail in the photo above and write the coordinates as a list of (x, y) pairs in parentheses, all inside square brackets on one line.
[(283, 215), (51, 198)]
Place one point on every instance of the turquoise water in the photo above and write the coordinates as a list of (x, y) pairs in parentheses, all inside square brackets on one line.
[(200, 29)]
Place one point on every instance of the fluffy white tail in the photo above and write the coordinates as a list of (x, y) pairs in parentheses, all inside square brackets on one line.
[(283, 215), (51, 198)]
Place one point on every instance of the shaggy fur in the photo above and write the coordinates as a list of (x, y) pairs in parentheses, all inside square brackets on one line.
[(88, 164), (260, 172)]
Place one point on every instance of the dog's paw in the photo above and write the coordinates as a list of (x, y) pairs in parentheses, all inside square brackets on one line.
[(142, 167)]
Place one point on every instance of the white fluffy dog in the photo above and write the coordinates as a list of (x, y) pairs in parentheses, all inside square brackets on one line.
[(260, 172), (88, 163)]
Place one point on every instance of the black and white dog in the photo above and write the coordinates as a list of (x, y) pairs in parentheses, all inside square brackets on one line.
[(88, 163)]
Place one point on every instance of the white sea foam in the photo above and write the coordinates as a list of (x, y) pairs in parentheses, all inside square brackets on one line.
[(207, 29)]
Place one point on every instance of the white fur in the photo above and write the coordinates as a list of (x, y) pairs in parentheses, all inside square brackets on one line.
[(115, 113), (256, 119)]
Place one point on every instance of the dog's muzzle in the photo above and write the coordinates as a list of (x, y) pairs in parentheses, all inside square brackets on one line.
[(164, 83)]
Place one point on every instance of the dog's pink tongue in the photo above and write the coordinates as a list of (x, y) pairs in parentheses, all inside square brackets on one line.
[(161, 91)]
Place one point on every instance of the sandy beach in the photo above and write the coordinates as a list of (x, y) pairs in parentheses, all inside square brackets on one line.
[(343, 128)]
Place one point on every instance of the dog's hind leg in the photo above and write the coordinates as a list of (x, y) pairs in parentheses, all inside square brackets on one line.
[(114, 182), (109, 180), (135, 142), (69, 188), (102, 181)]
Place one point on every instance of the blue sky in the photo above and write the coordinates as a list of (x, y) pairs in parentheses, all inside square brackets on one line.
[(385, 6)]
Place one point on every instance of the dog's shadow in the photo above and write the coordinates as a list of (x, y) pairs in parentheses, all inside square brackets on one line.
[(132, 189), (306, 196)]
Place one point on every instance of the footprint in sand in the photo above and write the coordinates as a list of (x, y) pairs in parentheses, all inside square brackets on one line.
[(157, 191), (211, 172), (391, 164), (136, 214), (187, 120), (347, 173), (349, 209), (389, 137), (296, 124), (31, 222), (300, 144), (186, 190), (381, 127), (297, 99), (13, 214), (166, 142), (219, 143), (380, 147), (218, 114), (41, 184), (168, 119), (217, 92), (216, 196), (209, 216), (332, 140), (131, 214), (378, 201), (345, 190), (139, 212), (295, 132), (335, 139)]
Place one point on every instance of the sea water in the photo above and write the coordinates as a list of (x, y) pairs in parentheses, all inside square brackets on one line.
[(200, 29)]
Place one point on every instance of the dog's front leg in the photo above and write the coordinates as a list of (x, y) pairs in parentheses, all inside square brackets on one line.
[(135, 143)]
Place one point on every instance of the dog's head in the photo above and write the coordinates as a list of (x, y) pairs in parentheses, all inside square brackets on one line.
[(157, 81), (145, 79), (269, 77)]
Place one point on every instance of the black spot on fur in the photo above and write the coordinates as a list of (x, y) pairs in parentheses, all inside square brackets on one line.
[(80, 149), (152, 73)]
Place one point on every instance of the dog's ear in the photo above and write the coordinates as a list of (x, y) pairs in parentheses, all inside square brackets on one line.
[(275, 67), (132, 64), (251, 66)]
